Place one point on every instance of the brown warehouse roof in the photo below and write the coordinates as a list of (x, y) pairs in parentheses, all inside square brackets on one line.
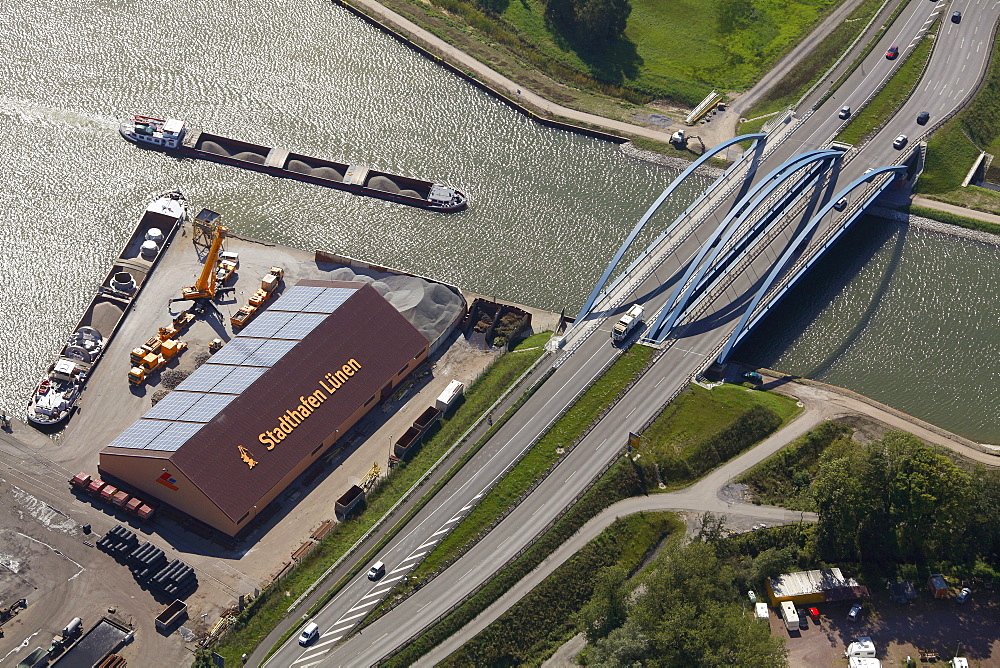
[(285, 415)]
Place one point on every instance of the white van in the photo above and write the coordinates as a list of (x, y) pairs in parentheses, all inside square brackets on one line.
[(858, 662), (309, 633), (377, 571), (790, 615)]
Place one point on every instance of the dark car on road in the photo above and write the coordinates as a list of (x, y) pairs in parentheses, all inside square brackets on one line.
[(892, 52), (923, 117), (956, 17)]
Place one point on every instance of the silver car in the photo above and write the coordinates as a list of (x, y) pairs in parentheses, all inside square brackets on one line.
[(900, 141)]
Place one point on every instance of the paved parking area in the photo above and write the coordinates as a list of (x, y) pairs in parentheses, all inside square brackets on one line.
[(899, 631)]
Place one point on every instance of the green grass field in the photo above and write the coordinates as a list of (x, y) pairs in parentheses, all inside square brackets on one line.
[(677, 50), (680, 440)]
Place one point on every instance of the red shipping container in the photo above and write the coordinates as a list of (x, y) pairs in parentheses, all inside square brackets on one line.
[(80, 480), (120, 498), (108, 492), (133, 505), (145, 512), (95, 487)]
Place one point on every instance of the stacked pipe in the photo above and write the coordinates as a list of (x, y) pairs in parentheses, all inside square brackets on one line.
[(119, 542), (174, 579), (146, 560)]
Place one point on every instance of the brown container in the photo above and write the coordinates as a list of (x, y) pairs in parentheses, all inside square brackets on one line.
[(120, 498), (95, 487), (108, 492), (145, 512), (80, 480)]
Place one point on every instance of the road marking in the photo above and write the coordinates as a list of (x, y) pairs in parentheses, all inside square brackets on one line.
[(324, 644), (311, 656), (376, 593), (433, 542), (423, 606), (630, 413), (412, 556), (464, 576), (362, 605), (398, 577), (571, 475), (658, 382), (347, 619), (307, 665), (338, 629), (466, 508), (601, 445), (454, 519), (438, 533)]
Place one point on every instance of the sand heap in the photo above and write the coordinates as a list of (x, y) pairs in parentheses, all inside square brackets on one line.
[(430, 307)]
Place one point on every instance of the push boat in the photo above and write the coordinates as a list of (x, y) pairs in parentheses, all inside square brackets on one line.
[(175, 136), (58, 392)]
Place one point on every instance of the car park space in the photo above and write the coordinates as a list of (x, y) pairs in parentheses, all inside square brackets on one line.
[(927, 627)]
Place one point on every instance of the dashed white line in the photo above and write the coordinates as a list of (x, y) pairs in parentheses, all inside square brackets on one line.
[(433, 542), (571, 475), (658, 382), (630, 413), (601, 445), (454, 519), (438, 533)]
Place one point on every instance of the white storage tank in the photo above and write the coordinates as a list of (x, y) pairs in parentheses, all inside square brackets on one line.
[(149, 248), (154, 234)]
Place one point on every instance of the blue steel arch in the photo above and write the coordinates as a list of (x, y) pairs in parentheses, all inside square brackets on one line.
[(742, 329), (699, 280), (756, 137), (738, 212)]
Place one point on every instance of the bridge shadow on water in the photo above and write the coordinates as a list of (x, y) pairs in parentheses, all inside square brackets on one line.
[(817, 290)]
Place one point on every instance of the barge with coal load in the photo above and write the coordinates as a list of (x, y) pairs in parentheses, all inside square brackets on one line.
[(176, 136), (58, 392)]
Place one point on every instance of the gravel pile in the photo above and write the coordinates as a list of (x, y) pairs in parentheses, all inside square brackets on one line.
[(430, 307)]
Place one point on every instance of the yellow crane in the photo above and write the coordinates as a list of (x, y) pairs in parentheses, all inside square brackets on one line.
[(206, 286)]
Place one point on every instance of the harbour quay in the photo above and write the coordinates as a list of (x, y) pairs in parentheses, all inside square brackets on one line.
[(244, 436)]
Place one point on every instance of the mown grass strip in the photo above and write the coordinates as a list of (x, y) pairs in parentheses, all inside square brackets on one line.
[(543, 619), (264, 613), (890, 98), (952, 219), (622, 481), (537, 460)]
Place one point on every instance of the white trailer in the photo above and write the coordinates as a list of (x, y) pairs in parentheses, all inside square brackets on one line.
[(790, 616)]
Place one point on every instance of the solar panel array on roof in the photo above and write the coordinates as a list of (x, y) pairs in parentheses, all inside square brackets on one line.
[(247, 357)]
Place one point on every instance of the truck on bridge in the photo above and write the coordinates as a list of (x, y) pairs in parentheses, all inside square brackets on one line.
[(626, 323)]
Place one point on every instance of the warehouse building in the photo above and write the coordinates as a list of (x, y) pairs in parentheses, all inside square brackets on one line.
[(244, 425), (811, 587)]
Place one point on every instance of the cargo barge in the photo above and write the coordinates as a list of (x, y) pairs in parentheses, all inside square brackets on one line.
[(176, 137), (58, 392)]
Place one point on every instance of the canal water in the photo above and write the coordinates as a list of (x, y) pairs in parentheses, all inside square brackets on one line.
[(548, 207), (903, 315)]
